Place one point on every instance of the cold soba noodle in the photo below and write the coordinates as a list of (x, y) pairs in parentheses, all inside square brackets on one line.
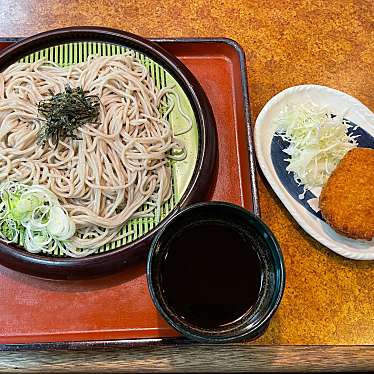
[(116, 165)]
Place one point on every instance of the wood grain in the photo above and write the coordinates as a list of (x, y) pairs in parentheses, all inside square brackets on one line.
[(328, 299), (192, 358)]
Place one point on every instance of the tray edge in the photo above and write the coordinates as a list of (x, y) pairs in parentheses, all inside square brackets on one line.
[(71, 345)]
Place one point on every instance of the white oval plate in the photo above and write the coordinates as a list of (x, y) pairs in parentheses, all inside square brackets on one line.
[(271, 160)]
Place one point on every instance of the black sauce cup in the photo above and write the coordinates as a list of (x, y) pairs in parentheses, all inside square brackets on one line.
[(251, 324)]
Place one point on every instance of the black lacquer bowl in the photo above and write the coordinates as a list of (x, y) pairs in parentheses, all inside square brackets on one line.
[(208, 276), (63, 45)]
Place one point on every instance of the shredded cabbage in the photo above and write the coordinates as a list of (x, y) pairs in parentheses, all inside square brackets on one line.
[(34, 214), (318, 138)]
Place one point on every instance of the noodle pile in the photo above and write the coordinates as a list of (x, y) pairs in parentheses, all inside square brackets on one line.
[(116, 166)]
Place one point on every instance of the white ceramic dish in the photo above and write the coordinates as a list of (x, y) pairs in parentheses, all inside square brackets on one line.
[(271, 160)]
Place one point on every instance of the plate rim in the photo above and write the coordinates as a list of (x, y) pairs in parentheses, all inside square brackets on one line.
[(263, 156)]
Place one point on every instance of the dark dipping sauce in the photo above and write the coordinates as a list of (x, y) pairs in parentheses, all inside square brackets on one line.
[(210, 275)]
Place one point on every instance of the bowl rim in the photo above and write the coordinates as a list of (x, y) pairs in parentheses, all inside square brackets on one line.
[(259, 327), (96, 265)]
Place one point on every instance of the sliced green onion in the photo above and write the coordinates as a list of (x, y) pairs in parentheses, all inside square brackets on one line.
[(34, 214)]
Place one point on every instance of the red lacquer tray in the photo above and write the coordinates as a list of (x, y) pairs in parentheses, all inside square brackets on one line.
[(118, 308)]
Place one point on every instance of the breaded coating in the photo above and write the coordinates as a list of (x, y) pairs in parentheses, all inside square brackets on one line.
[(347, 198)]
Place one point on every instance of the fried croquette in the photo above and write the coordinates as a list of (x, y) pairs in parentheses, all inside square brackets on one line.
[(347, 198)]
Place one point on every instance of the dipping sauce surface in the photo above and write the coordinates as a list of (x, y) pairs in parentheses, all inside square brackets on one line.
[(210, 274)]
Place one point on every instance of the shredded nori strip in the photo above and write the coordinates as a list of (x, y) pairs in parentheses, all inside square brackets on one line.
[(62, 114)]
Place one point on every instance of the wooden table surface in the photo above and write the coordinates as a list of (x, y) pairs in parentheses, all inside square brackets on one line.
[(326, 319)]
